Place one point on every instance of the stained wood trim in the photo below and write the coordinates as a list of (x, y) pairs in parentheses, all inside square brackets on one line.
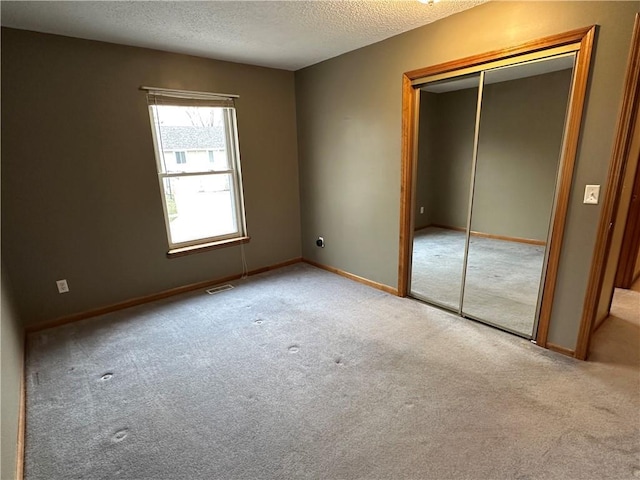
[(619, 159), (585, 37), (22, 414), (449, 227), (205, 247), (151, 298), (351, 276), (574, 36), (406, 186), (529, 241), (557, 348), (631, 238), (570, 149)]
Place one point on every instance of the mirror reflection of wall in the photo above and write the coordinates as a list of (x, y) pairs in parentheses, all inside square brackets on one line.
[(506, 218)]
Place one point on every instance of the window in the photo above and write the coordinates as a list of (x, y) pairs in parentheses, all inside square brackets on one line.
[(202, 197), (181, 158)]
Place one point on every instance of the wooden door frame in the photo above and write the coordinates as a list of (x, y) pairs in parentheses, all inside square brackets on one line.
[(585, 38), (630, 240), (617, 166)]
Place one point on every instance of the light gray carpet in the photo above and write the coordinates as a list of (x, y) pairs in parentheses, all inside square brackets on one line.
[(299, 373), (437, 262), (502, 277)]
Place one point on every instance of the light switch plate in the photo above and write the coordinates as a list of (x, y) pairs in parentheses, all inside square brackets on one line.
[(591, 194)]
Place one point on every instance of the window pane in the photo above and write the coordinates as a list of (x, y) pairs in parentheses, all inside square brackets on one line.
[(186, 135), (200, 206), (218, 160)]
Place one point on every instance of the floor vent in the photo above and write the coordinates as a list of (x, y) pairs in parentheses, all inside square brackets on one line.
[(221, 288)]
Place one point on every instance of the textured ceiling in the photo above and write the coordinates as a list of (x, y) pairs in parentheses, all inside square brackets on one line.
[(279, 34)]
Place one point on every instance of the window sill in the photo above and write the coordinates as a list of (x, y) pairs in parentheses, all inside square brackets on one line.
[(205, 247)]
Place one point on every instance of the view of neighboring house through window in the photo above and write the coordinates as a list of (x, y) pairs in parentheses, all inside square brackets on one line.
[(198, 166)]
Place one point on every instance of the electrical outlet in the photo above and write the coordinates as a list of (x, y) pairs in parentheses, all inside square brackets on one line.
[(421, 210), (320, 242), (63, 287)]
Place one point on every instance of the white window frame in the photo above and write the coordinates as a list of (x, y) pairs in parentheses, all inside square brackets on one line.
[(233, 160)]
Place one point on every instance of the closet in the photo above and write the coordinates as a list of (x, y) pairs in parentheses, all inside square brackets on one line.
[(486, 174)]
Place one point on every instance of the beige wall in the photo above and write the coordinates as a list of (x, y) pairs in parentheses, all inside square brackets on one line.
[(349, 129), (445, 155), (427, 142), (519, 144), (80, 196), (521, 130), (12, 342)]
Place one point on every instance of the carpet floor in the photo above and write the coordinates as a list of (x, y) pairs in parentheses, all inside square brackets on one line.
[(502, 277), (301, 374), (618, 338)]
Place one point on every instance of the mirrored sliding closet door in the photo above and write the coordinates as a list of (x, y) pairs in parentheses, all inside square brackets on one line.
[(519, 145), (448, 111), (487, 163)]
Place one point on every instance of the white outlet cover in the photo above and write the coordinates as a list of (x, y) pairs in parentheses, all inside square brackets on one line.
[(591, 194), (63, 287)]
